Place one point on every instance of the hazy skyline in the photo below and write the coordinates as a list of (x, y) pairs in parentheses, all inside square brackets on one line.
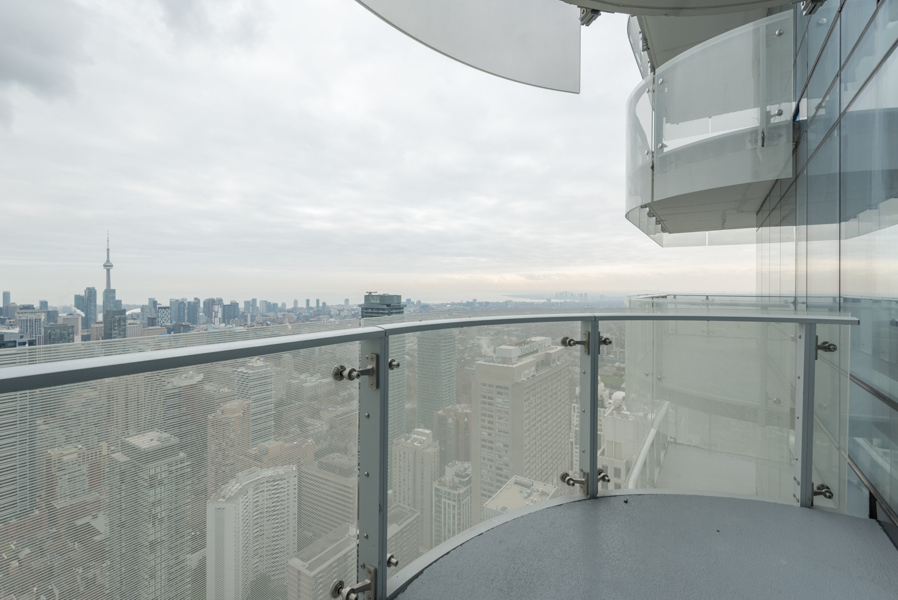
[(284, 151)]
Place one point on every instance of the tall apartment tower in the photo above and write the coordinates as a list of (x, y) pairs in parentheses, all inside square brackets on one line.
[(90, 308), (6, 300), (521, 416), (452, 431), (381, 305), (115, 325), (148, 532), (31, 323), (228, 441), (452, 506), (59, 333), (437, 366), (415, 467), (251, 527), (328, 490), (255, 385)]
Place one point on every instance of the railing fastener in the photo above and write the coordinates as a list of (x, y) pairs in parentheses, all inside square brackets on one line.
[(392, 561), (824, 347), (340, 590), (823, 490), (340, 372)]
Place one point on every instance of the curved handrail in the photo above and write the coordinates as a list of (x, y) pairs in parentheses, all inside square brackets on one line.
[(39, 376)]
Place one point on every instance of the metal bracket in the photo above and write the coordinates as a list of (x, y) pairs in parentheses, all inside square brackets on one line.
[(588, 15), (824, 347), (340, 590), (569, 342), (568, 480), (823, 490), (603, 476), (809, 7), (340, 372)]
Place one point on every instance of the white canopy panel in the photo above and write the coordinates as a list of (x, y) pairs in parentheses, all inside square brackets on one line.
[(531, 41)]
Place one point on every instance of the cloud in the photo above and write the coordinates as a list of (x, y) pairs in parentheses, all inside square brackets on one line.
[(40, 44), (331, 154)]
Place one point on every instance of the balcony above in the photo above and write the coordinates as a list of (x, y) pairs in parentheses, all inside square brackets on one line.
[(709, 133), (663, 545)]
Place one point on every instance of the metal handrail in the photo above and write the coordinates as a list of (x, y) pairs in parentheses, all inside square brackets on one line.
[(21, 378)]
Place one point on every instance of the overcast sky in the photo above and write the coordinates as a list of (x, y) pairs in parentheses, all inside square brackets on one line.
[(284, 150)]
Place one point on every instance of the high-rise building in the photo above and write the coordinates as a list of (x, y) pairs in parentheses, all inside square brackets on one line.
[(52, 316), (228, 441), (18, 453), (308, 303), (43, 305), (251, 527), (452, 431), (90, 308), (175, 307), (148, 531), (381, 305), (109, 301), (437, 367), (6, 300), (115, 325), (327, 495), (75, 322), (255, 386), (31, 323), (163, 316), (312, 572), (452, 505), (208, 303), (415, 467), (59, 333), (230, 312), (517, 493), (193, 311), (521, 415)]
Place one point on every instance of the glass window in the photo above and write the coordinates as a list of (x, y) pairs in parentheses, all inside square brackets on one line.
[(854, 17), (823, 227), (870, 50)]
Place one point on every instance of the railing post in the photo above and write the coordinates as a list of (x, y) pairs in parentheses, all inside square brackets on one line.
[(806, 355), (373, 451), (589, 406)]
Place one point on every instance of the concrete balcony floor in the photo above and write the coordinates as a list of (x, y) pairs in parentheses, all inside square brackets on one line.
[(654, 546)]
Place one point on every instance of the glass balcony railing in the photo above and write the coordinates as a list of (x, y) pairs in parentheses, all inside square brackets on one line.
[(278, 466), (709, 132)]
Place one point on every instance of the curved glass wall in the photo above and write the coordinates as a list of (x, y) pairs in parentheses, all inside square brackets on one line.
[(721, 119)]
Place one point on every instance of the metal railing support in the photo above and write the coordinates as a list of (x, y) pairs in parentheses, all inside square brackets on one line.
[(806, 355), (373, 452), (589, 406)]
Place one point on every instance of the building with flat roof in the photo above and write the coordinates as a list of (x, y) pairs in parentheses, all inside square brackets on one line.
[(518, 493)]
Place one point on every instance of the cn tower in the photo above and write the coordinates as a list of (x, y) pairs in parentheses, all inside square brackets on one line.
[(108, 265)]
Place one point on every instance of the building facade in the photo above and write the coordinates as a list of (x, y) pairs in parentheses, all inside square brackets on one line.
[(452, 502), (437, 367), (415, 468), (251, 527)]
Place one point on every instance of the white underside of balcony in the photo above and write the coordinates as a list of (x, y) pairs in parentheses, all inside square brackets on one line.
[(666, 545)]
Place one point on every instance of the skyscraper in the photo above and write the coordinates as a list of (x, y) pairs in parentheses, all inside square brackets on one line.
[(521, 416), (163, 316), (109, 301), (452, 431), (59, 333), (437, 366), (255, 386), (415, 468), (148, 532), (6, 301), (115, 325), (43, 305), (251, 527), (452, 506), (327, 495), (381, 305), (31, 323), (228, 440), (90, 308)]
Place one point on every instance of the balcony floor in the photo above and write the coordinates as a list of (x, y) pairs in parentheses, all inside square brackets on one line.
[(668, 546)]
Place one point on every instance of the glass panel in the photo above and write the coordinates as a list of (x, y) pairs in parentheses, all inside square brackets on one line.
[(821, 78), (639, 149), (531, 41), (488, 424), (233, 479), (823, 228), (819, 25), (854, 17), (721, 399), (870, 50), (723, 120)]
